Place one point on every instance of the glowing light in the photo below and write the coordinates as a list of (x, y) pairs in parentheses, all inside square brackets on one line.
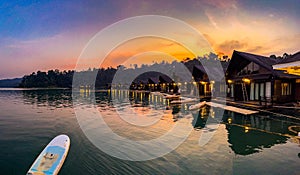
[(202, 82), (246, 80), (229, 120), (229, 81), (246, 129)]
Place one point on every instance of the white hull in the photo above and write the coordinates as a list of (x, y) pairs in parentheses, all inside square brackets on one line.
[(51, 159)]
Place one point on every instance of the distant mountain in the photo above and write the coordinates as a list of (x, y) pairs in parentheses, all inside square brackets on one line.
[(10, 82)]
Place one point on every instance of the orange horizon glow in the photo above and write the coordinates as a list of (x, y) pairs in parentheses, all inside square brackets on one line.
[(226, 25)]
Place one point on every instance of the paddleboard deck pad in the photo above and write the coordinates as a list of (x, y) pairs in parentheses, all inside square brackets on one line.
[(52, 157)]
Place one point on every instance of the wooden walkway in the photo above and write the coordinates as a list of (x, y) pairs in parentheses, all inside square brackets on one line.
[(232, 108)]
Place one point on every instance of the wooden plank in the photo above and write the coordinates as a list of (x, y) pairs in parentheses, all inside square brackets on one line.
[(232, 108)]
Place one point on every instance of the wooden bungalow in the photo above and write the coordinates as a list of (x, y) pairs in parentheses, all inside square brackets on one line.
[(153, 83), (291, 65), (252, 77), (202, 80), (166, 83), (210, 81)]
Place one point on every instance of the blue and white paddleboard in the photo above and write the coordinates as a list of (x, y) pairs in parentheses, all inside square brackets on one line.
[(52, 157)]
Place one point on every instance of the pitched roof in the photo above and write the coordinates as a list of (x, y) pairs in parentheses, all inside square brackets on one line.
[(213, 72), (165, 79), (241, 59), (153, 80), (289, 59)]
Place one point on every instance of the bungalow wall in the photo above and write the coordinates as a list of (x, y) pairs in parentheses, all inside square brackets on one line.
[(297, 90), (237, 91), (284, 91), (280, 91), (260, 90)]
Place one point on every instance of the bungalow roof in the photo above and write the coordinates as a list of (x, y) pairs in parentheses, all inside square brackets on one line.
[(289, 59), (153, 80), (165, 79), (214, 73), (240, 59)]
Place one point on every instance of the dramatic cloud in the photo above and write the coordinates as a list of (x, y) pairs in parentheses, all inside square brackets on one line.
[(231, 45), (49, 34)]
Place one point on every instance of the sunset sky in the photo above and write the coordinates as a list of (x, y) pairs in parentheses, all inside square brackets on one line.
[(41, 35)]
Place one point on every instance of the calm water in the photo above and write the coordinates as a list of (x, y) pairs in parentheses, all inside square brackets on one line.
[(254, 144)]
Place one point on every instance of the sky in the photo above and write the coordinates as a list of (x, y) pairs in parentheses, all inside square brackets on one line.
[(51, 34)]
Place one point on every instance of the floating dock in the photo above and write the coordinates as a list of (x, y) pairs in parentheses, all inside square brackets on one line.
[(232, 108)]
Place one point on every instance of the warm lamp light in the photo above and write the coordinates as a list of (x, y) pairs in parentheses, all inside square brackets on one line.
[(246, 129), (246, 80)]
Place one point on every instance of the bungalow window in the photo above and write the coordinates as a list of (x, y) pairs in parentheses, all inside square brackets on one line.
[(262, 90), (252, 91), (256, 91), (286, 89)]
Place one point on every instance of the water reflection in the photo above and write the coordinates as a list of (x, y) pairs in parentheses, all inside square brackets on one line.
[(50, 98), (244, 141), (29, 119), (246, 134)]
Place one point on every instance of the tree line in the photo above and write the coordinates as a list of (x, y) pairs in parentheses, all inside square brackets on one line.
[(105, 76)]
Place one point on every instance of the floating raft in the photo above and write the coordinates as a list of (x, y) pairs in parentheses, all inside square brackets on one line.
[(232, 108), (197, 106), (183, 100)]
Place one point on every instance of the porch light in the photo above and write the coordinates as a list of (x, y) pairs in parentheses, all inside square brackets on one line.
[(246, 129), (229, 81), (246, 80)]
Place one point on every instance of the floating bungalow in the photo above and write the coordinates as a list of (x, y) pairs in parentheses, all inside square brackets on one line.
[(203, 83), (291, 65), (248, 77), (212, 84), (252, 77)]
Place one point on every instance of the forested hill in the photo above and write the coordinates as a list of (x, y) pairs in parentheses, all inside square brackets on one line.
[(63, 79), (10, 83)]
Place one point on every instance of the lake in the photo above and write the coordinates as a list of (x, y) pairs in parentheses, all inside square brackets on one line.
[(254, 144)]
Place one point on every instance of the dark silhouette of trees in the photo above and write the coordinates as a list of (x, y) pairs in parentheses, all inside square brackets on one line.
[(52, 78), (63, 79)]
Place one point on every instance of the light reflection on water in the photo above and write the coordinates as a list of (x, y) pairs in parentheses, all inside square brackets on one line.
[(242, 144)]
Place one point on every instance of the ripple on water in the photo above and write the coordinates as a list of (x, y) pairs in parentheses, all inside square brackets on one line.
[(242, 144)]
